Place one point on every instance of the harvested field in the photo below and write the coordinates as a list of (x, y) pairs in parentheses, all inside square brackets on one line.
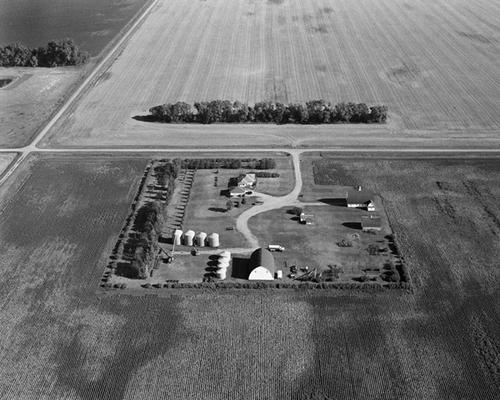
[(60, 340), (435, 66)]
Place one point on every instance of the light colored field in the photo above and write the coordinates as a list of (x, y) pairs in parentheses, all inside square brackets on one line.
[(28, 102), (435, 64)]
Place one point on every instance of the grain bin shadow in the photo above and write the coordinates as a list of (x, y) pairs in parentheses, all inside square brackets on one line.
[(240, 268), (217, 209)]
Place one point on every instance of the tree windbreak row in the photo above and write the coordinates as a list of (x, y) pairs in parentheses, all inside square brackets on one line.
[(225, 111), (55, 54)]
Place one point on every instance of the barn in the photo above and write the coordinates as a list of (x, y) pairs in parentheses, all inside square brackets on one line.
[(359, 198), (261, 266)]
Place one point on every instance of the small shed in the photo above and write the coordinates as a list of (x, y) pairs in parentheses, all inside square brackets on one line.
[(261, 265), (306, 219), (213, 240), (371, 223)]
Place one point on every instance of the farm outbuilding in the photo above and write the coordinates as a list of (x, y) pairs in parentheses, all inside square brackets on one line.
[(188, 238), (261, 265), (200, 238), (213, 240), (359, 198), (371, 223)]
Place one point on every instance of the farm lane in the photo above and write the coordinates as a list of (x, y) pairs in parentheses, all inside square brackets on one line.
[(271, 203)]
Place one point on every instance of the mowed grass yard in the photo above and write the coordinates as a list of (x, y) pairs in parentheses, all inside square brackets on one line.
[(206, 209), (59, 339), (315, 245), (435, 65)]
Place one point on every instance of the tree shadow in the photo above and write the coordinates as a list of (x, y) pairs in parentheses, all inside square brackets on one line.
[(126, 270), (166, 240), (352, 225), (338, 202), (145, 118), (240, 268), (217, 209)]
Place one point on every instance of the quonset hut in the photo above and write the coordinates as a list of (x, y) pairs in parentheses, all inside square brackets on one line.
[(261, 266)]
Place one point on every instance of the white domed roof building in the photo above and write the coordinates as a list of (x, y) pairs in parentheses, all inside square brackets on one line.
[(261, 266)]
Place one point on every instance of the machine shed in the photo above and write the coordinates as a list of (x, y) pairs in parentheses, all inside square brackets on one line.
[(261, 265)]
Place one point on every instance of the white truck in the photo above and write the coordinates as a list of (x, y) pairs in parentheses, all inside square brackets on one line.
[(275, 247)]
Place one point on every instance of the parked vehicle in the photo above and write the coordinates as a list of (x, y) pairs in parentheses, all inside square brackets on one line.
[(275, 247)]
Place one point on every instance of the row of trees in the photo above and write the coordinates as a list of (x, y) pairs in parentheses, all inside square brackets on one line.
[(56, 53), (312, 112), (144, 246), (227, 163)]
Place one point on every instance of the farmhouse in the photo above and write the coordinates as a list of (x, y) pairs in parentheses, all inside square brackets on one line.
[(359, 198), (261, 265), (371, 223), (247, 181), (238, 192)]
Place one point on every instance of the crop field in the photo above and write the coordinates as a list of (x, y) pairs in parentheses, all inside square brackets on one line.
[(435, 65), (92, 23), (60, 339)]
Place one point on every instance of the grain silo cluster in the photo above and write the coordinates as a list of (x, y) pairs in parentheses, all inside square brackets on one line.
[(223, 264), (190, 238)]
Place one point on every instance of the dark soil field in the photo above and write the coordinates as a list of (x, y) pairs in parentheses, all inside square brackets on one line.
[(60, 339), (91, 23)]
